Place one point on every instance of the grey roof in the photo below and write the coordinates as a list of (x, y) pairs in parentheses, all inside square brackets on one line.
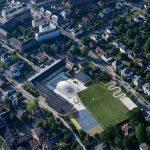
[(144, 146), (81, 76)]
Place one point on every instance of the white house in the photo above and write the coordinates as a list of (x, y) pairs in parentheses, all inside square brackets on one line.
[(127, 72), (117, 65), (76, 32), (111, 30), (137, 80), (55, 18), (117, 44), (66, 13), (124, 49), (146, 88), (44, 28), (106, 36), (107, 58), (94, 37)]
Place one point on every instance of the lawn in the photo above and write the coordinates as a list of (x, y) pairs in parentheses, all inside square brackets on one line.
[(102, 105)]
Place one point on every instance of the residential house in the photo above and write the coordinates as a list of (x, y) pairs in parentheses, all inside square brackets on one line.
[(104, 55), (126, 129), (144, 146), (4, 111), (137, 19), (2, 122), (21, 114), (6, 57), (2, 81), (16, 10), (148, 67), (55, 18), (23, 139), (127, 73), (117, 65), (44, 27), (14, 71), (146, 88), (34, 145), (76, 32), (117, 44), (37, 22), (111, 31), (107, 11), (124, 49), (119, 5), (70, 56), (77, 2), (101, 146), (22, 45), (101, 15), (82, 77), (84, 22), (4, 35), (38, 2), (132, 55), (66, 13), (46, 145), (95, 37), (10, 135), (38, 134), (137, 80), (106, 36)]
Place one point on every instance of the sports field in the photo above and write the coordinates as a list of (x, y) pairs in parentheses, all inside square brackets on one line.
[(104, 107)]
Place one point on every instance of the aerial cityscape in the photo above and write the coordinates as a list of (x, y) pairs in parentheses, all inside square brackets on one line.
[(74, 74)]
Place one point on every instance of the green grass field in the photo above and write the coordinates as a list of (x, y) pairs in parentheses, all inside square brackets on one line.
[(102, 105)]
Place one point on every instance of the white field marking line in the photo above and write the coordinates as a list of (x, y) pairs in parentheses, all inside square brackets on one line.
[(111, 86)]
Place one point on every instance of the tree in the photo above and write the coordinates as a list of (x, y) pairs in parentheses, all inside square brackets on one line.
[(136, 116), (84, 50), (13, 117), (130, 34), (32, 105), (148, 10), (68, 44), (122, 28), (148, 76), (137, 42), (147, 45), (140, 132), (44, 47), (20, 148), (84, 40), (119, 141), (18, 94), (73, 49), (7, 102)]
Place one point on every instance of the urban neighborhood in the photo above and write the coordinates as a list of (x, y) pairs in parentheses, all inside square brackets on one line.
[(74, 75)]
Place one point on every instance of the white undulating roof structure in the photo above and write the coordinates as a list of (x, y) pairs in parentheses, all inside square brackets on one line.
[(66, 88)]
